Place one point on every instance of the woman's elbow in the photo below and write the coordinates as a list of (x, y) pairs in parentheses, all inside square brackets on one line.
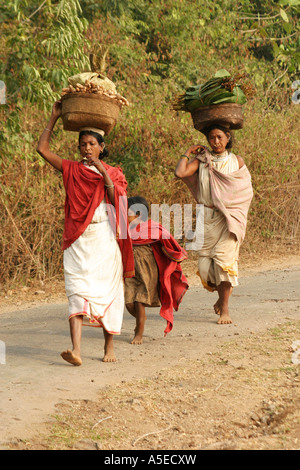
[(178, 173), (40, 150)]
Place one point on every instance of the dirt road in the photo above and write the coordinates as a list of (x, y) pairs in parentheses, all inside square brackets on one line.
[(34, 378)]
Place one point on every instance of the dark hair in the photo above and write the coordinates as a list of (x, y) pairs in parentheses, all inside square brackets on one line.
[(100, 140), (141, 206), (226, 131)]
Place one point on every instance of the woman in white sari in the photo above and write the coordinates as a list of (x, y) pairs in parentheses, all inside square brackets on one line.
[(96, 254), (221, 182)]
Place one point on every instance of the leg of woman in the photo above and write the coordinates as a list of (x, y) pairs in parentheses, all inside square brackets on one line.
[(224, 290), (217, 306), (74, 357), (140, 315), (109, 354)]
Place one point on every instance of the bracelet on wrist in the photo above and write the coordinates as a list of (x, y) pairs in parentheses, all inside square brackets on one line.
[(46, 129), (108, 186), (185, 156)]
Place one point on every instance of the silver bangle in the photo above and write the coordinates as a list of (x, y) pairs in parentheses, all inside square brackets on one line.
[(108, 186), (46, 129)]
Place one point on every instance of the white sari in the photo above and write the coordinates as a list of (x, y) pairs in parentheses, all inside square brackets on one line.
[(94, 275)]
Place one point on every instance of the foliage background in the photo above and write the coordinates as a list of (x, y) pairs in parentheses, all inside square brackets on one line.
[(155, 50)]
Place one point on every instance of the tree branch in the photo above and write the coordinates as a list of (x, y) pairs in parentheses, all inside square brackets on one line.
[(38, 9)]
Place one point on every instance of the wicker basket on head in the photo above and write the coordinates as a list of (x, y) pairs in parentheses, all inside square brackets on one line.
[(83, 110), (227, 114)]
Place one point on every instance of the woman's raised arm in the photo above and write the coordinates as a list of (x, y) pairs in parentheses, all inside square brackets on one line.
[(185, 167), (43, 147)]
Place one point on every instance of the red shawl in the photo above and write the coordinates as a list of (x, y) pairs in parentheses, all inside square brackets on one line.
[(84, 192), (168, 255)]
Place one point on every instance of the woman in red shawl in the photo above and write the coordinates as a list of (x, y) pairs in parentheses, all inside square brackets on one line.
[(158, 280), (97, 251)]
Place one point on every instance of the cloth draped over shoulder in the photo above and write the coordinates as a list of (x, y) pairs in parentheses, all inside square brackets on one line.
[(231, 194), (168, 256), (85, 190)]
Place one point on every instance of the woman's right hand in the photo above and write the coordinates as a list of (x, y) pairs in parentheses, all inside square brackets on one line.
[(186, 168), (195, 150), (57, 109)]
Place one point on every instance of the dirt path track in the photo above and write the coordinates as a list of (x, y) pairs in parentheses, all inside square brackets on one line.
[(34, 378)]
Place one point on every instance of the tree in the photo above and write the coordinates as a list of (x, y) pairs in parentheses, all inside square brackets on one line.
[(46, 44), (272, 30)]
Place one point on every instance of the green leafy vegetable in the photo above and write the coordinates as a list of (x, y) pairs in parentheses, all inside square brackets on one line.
[(222, 88)]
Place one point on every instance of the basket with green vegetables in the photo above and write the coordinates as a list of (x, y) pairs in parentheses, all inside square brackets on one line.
[(220, 99)]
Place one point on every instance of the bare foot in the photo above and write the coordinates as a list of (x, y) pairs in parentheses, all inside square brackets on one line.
[(224, 319), (140, 324), (138, 339), (109, 357), (72, 358), (218, 304), (217, 307)]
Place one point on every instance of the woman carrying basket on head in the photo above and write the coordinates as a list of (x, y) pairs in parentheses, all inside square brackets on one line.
[(97, 250), (220, 181)]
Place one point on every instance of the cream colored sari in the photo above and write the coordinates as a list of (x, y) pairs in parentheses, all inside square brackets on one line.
[(218, 257)]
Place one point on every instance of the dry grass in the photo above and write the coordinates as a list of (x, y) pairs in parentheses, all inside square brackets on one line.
[(31, 201), (32, 195)]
